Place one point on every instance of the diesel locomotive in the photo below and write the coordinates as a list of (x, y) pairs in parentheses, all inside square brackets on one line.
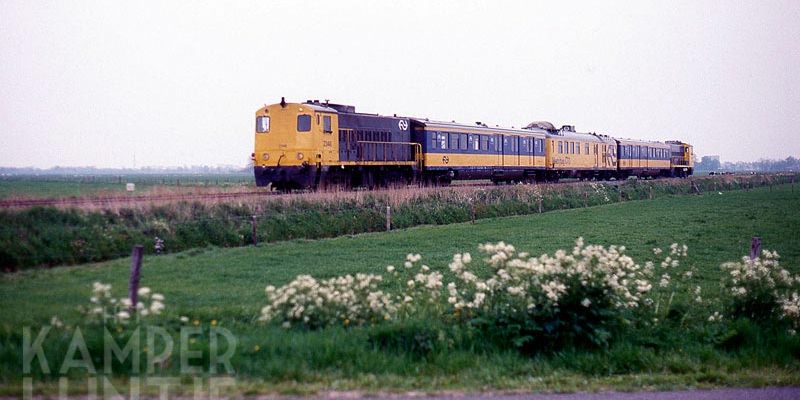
[(320, 144)]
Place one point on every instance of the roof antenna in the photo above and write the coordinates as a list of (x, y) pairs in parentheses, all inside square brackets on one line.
[(283, 102)]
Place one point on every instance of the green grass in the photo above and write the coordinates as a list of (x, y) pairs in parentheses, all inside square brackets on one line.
[(227, 285), (63, 186)]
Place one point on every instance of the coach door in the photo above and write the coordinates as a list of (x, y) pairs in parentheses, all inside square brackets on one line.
[(510, 152)]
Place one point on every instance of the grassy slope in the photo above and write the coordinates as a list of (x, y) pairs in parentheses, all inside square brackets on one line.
[(716, 227), (227, 284)]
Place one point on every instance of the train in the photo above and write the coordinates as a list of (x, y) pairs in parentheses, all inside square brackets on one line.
[(314, 145)]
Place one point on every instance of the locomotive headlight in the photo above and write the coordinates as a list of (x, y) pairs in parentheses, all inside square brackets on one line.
[(265, 156), (299, 156)]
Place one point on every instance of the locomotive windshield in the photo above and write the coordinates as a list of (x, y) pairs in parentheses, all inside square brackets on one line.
[(262, 124)]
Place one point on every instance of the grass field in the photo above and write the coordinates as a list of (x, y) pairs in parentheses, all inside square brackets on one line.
[(227, 285), (65, 186)]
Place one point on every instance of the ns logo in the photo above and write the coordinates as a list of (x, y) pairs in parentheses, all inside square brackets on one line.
[(402, 124)]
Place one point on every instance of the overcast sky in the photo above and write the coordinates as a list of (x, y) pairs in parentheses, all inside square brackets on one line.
[(178, 82)]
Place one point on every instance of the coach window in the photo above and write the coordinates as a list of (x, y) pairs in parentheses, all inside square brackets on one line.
[(304, 123), (560, 148), (462, 142), (262, 124), (326, 124), (442, 140)]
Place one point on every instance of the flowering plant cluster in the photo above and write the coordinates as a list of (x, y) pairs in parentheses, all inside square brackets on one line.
[(106, 309), (759, 288), (790, 310), (419, 286), (567, 296), (671, 280), (346, 300)]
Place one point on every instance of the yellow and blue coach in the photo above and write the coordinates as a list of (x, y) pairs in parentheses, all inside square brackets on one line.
[(460, 151), (643, 158)]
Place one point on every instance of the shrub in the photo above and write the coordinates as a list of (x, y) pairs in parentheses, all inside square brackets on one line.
[(568, 298), (344, 300), (759, 288)]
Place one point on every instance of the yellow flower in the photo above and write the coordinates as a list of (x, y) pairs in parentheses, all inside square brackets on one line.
[(256, 348), (346, 322), (196, 322), (213, 322)]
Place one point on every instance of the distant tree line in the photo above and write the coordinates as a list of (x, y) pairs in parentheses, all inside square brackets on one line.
[(712, 163)]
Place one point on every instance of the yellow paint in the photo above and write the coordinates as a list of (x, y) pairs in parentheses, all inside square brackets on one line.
[(601, 156), (283, 142), (481, 160)]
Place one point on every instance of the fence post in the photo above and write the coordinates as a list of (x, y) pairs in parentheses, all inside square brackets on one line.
[(472, 206), (620, 193), (651, 192), (388, 218), (585, 199), (133, 283), (755, 247), (255, 233)]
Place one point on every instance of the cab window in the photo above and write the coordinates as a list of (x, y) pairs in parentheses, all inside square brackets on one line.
[(304, 123), (326, 124), (262, 124)]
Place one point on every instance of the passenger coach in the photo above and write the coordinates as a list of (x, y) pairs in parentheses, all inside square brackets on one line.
[(459, 151)]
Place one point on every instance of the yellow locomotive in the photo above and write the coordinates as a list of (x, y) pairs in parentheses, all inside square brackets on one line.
[(316, 144)]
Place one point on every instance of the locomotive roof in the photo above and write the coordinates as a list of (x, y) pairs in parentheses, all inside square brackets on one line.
[(319, 107), (478, 128)]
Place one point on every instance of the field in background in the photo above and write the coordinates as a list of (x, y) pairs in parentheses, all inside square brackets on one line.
[(227, 286), (83, 186)]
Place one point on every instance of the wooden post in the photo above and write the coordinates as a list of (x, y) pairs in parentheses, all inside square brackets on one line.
[(255, 233), (620, 194), (585, 199), (133, 283), (472, 206), (755, 247), (540, 205), (388, 218), (651, 192)]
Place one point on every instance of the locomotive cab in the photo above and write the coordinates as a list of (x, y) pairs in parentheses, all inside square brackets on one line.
[(292, 140), (682, 158)]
